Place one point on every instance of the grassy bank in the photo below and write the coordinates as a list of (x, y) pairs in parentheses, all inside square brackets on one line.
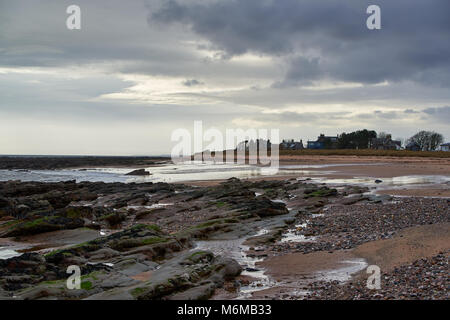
[(366, 153), (353, 152)]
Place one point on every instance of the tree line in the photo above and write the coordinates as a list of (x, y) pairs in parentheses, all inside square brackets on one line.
[(424, 140)]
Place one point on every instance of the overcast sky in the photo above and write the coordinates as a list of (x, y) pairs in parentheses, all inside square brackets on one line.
[(137, 70)]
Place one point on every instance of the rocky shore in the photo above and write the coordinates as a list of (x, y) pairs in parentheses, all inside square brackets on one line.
[(140, 241), (145, 231)]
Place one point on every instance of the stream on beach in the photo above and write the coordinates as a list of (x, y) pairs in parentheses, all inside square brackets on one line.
[(238, 251)]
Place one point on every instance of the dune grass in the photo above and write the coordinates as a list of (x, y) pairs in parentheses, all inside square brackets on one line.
[(350, 152), (366, 153)]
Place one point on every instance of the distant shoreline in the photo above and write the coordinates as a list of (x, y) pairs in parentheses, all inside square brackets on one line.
[(286, 157), (69, 162)]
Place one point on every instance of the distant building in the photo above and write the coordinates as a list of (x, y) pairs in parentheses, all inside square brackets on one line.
[(445, 147), (254, 145), (291, 145), (323, 142), (413, 146), (385, 143)]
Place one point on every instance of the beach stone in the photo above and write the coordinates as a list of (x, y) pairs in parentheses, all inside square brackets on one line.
[(138, 172)]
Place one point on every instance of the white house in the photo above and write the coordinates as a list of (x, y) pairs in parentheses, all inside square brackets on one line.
[(445, 147)]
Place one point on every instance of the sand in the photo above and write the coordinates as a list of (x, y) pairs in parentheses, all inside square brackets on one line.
[(348, 167), (431, 192), (293, 271), (408, 245)]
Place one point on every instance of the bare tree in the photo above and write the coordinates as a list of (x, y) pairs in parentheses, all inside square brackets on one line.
[(382, 135), (435, 140), (427, 140)]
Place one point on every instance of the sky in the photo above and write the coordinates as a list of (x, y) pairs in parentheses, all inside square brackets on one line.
[(138, 70)]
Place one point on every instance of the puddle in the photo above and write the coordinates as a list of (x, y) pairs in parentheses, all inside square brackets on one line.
[(237, 251), (8, 253), (394, 183), (387, 182), (108, 264), (344, 273), (153, 206), (329, 165), (292, 235)]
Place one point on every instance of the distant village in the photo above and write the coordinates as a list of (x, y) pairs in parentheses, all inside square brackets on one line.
[(361, 139)]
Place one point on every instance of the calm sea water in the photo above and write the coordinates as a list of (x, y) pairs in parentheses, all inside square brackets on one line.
[(191, 171), (195, 171)]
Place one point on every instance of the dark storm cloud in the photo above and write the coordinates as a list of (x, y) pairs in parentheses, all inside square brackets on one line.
[(149, 66), (302, 71), (329, 36)]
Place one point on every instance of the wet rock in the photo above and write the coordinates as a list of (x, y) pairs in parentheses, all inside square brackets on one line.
[(348, 190), (4, 203), (353, 199), (263, 207), (199, 270), (138, 172), (201, 292), (320, 192), (41, 225), (113, 219)]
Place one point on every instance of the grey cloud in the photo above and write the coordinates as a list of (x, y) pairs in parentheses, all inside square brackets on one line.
[(380, 115), (441, 114), (438, 114), (301, 41), (413, 43), (302, 71), (192, 83), (295, 118)]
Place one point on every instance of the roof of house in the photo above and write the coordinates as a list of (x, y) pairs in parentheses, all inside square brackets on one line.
[(445, 144), (385, 141)]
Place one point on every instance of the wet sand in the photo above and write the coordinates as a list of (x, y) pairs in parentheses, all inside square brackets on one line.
[(379, 167), (349, 167), (408, 245), (432, 192), (294, 271)]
